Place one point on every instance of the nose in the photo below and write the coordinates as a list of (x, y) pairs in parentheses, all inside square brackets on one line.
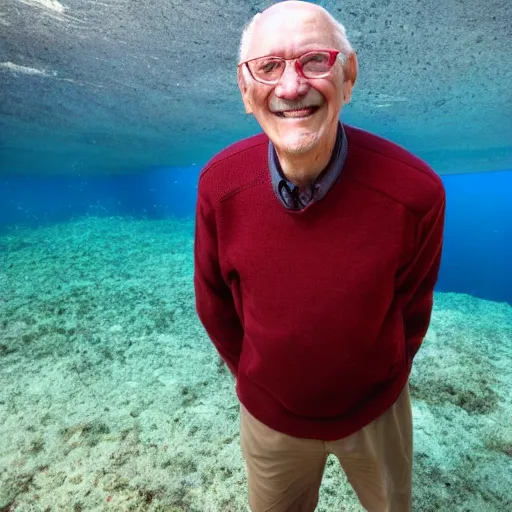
[(291, 85)]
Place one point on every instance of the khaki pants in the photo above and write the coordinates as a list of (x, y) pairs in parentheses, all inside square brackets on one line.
[(284, 473)]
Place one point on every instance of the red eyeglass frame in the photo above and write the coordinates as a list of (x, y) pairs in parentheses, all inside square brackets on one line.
[(333, 54)]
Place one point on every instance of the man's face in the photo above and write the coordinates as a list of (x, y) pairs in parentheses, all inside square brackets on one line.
[(279, 108)]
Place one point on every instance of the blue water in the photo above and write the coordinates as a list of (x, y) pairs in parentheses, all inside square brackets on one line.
[(477, 257)]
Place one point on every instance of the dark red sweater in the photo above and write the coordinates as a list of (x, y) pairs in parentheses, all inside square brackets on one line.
[(319, 313)]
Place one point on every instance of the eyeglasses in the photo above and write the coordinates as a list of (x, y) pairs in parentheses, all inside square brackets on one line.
[(312, 64)]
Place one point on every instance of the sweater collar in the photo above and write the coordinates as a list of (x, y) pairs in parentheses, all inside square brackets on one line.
[(289, 194)]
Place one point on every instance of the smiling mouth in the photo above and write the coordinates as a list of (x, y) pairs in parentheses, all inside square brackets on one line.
[(298, 113)]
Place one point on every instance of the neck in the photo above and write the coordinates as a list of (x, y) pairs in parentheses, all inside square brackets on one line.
[(303, 169)]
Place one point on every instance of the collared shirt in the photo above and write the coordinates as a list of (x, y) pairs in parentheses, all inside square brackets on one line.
[(290, 195)]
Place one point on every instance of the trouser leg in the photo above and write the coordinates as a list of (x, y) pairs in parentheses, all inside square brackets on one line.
[(284, 473), (378, 459)]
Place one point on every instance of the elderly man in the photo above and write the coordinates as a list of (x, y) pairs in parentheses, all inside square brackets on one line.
[(317, 249)]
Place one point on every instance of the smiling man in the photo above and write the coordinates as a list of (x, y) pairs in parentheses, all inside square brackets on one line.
[(317, 249)]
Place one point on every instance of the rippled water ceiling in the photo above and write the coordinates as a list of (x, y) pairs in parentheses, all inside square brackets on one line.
[(120, 86)]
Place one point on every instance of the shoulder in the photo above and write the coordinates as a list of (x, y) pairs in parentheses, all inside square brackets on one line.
[(390, 170), (238, 166)]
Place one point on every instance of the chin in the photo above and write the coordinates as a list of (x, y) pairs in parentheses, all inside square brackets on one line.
[(299, 149), (298, 145)]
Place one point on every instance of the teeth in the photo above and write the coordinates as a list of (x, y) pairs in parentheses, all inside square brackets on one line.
[(298, 113)]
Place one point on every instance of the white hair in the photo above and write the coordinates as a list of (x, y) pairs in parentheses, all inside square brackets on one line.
[(340, 35)]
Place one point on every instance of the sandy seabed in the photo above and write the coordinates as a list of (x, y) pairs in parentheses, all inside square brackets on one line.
[(113, 398)]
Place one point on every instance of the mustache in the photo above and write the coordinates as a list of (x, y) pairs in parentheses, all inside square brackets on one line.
[(312, 99)]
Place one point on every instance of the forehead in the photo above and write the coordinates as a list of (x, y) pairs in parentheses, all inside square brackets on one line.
[(289, 34)]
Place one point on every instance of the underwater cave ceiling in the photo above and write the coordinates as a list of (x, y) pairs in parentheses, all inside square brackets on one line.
[(118, 86)]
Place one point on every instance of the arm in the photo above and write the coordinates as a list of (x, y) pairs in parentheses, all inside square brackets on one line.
[(415, 284), (214, 302)]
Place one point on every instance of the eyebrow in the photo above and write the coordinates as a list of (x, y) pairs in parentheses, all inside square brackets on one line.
[(307, 48)]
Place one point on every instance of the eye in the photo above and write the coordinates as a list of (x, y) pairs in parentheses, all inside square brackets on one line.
[(317, 57), (268, 66), (315, 60)]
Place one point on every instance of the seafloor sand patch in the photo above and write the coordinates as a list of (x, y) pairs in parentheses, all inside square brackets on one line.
[(112, 397)]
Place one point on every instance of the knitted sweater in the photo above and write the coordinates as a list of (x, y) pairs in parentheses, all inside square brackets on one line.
[(318, 313)]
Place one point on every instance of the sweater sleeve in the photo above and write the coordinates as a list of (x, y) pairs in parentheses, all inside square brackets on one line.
[(415, 285), (214, 301)]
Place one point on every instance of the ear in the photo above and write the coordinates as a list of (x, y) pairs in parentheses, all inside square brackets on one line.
[(244, 90), (349, 77)]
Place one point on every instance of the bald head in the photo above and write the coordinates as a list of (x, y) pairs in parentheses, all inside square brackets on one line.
[(290, 13), (298, 112), (292, 8)]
